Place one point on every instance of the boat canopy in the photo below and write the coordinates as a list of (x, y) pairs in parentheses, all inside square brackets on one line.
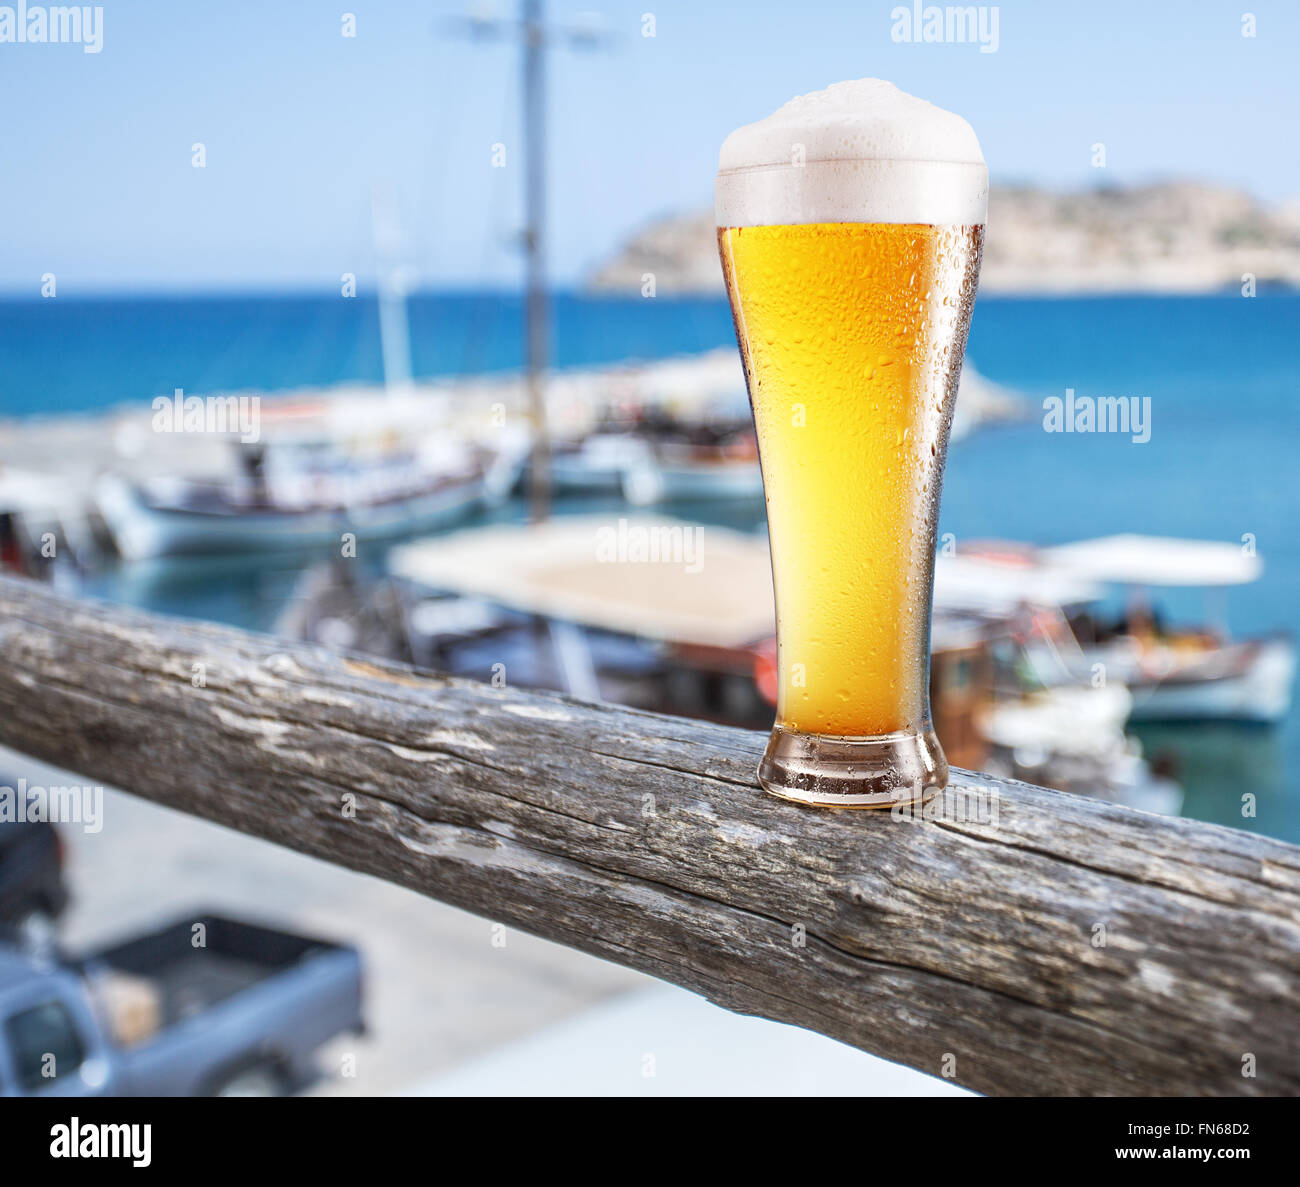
[(656, 578), (30, 493), (1155, 560), (996, 589)]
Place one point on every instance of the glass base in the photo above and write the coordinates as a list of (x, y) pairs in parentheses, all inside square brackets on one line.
[(875, 772)]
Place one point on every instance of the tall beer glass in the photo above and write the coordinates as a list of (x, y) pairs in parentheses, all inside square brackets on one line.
[(850, 225)]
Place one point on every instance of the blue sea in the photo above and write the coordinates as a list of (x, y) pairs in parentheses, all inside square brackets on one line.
[(1222, 374)]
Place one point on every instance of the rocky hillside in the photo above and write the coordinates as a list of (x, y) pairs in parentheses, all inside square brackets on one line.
[(1176, 237)]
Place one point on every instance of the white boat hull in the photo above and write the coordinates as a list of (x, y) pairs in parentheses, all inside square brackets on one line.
[(143, 531), (1249, 680), (692, 483), (1261, 693)]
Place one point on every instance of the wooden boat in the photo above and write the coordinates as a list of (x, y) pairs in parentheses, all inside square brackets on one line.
[(292, 497), (1174, 673), (654, 458), (597, 464), (710, 459)]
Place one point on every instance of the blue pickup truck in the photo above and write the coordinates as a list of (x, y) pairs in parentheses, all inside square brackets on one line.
[(206, 1006)]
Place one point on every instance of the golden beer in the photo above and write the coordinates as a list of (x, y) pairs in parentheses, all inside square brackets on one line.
[(849, 332), (852, 335)]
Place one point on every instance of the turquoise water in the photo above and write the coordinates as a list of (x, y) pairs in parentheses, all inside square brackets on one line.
[(69, 355), (1222, 375)]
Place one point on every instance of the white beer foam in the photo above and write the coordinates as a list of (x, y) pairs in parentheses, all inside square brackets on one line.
[(859, 151)]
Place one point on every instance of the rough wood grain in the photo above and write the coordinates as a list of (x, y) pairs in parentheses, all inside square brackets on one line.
[(964, 948)]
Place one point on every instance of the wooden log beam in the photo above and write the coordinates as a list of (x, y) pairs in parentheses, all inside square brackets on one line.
[(1026, 941)]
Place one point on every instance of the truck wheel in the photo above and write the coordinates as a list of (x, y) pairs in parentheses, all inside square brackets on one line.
[(260, 1079)]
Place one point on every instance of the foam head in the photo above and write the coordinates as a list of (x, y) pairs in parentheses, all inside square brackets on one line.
[(856, 152)]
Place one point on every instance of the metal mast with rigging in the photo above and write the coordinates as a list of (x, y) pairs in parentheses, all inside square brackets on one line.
[(535, 37)]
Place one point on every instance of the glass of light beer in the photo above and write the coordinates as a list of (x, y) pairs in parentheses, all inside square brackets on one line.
[(850, 225)]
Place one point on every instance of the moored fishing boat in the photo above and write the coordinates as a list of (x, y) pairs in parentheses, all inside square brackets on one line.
[(682, 471), (1174, 673), (290, 497), (650, 456)]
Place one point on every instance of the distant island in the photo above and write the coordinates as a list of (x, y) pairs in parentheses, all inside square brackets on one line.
[(1177, 237)]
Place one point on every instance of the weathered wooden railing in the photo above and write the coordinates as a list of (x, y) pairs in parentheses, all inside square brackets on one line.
[(1065, 946)]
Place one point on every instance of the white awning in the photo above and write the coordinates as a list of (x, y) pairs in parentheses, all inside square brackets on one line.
[(1155, 560), (637, 575), (998, 589), (30, 493)]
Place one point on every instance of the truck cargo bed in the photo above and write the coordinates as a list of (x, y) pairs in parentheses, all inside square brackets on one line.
[(190, 976)]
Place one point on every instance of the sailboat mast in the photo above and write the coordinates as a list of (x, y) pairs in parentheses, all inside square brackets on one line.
[(536, 39), (394, 329), (535, 311)]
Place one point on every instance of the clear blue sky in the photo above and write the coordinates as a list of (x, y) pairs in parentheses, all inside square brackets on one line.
[(299, 122)]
